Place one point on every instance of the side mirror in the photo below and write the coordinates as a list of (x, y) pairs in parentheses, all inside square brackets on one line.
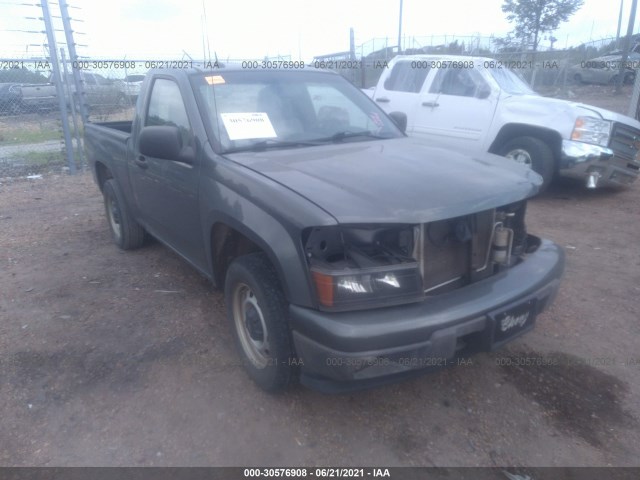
[(400, 119), (483, 92), (164, 142)]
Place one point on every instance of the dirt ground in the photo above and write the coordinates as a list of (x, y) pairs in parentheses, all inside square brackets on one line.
[(110, 358), (113, 358)]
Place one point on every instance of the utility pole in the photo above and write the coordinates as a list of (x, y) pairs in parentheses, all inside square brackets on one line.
[(57, 81), (400, 30), (627, 45), (619, 25)]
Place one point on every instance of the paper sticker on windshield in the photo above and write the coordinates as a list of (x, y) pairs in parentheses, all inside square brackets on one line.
[(241, 126), (214, 79)]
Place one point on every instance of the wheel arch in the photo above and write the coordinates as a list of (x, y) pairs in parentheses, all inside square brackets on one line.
[(102, 174), (514, 130), (228, 239)]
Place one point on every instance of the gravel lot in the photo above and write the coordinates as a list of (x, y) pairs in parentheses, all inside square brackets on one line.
[(113, 358), (110, 358)]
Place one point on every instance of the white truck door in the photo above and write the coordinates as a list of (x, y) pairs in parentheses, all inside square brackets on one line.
[(399, 89), (457, 109)]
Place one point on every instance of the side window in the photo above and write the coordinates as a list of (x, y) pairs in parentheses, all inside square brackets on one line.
[(167, 108), (406, 78), (89, 80), (462, 82)]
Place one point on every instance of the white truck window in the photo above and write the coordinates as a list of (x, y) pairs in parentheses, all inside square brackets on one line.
[(462, 82), (404, 77)]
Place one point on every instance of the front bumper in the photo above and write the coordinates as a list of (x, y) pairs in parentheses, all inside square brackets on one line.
[(351, 350), (582, 160)]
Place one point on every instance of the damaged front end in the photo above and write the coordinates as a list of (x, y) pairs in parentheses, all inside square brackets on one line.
[(369, 266)]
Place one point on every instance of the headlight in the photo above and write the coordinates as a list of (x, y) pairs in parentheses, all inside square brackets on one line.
[(367, 287), (363, 266), (591, 130)]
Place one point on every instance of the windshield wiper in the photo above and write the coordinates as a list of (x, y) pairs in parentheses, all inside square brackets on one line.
[(275, 143), (270, 143), (338, 137)]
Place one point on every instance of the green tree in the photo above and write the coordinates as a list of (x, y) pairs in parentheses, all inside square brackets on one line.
[(532, 18)]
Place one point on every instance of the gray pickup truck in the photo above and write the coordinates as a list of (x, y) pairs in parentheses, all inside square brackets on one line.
[(350, 254)]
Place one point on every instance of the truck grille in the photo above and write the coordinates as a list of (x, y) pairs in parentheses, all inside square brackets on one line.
[(625, 142), (455, 251)]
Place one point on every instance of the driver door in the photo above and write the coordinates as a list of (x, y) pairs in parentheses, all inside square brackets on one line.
[(166, 190)]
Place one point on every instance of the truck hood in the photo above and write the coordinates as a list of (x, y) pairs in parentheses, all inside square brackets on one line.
[(556, 107), (401, 180)]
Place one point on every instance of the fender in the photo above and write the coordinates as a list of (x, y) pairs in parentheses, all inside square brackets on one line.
[(268, 214)]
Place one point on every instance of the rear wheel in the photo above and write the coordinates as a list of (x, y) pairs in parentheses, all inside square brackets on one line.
[(534, 153), (126, 232), (258, 313)]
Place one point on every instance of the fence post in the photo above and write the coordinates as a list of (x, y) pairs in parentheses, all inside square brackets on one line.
[(635, 96), (76, 130), (73, 57), (57, 80)]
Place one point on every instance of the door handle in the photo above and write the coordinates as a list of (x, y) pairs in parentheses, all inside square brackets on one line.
[(142, 162), (430, 104), (382, 100)]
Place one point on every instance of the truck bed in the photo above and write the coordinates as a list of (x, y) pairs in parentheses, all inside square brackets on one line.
[(107, 141)]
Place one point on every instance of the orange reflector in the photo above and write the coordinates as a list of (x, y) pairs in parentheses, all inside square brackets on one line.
[(324, 288)]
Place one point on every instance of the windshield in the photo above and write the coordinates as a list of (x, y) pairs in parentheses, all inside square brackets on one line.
[(510, 82), (282, 109)]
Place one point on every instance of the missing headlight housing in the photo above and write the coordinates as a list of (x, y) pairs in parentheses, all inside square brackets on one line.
[(368, 266), (364, 266)]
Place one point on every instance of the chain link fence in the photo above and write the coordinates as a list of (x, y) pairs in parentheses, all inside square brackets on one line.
[(594, 63), (31, 140)]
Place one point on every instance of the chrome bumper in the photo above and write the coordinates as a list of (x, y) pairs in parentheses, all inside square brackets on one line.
[(596, 165)]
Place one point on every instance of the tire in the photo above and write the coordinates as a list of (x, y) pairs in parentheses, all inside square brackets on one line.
[(629, 78), (126, 232), (533, 152), (577, 78), (258, 313)]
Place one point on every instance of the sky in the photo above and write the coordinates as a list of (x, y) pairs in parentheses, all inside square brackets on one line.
[(243, 29)]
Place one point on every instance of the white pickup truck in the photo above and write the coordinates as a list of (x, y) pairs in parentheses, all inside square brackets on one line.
[(38, 97), (477, 104)]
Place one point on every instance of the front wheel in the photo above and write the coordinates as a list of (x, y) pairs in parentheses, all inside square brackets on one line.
[(534, 153), (126, 232), (258, 313)]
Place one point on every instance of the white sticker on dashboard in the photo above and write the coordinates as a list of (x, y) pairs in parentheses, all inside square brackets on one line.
[(241, 126)]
